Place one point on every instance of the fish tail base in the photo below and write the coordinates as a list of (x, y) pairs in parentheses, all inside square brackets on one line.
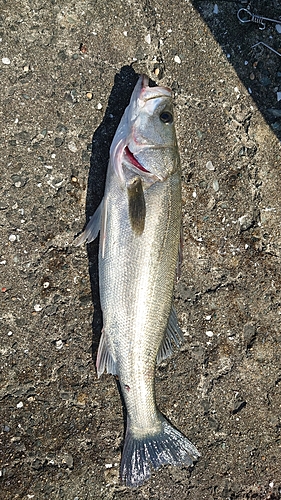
[(169, 446)]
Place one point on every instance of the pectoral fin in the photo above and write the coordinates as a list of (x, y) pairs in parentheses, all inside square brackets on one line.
[(136, 204), (172, 335)]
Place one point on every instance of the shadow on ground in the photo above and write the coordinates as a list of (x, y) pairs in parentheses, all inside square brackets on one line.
[(258, 67)]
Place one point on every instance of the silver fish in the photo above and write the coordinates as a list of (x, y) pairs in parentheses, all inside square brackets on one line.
[(139, 220)]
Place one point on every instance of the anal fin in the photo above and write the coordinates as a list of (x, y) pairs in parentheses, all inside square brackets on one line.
[(105, 359), (173, 335)]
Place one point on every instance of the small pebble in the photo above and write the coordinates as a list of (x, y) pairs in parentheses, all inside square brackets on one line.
[(6, 60), (46, 284), (58, 141), (20, 404), (208, 317), (278, 28), (59, 344), (177, 59), (125, 33), (215, 185), (108, 466), (83, 48), (216, 9), (72, 147), (278, 96), (156, 71), (265, 81), (209, 333), (37, 307), (210, 166), (89, 95), (12, 237), (99, 106), (148, 38)]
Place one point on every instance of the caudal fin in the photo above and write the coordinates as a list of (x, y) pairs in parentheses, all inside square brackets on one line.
[(167, 447)]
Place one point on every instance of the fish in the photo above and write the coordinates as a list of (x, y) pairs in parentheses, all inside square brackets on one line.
[(139, 220)]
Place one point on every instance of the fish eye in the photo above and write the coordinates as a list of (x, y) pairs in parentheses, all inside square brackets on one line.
[(166, 117)]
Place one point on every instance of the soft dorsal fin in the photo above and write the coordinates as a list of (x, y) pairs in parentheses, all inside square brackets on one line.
[(173, 335)]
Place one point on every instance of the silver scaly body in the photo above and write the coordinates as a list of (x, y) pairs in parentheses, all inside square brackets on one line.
[(140, 222)]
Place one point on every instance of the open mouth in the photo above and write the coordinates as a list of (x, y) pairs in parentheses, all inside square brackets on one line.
[(134, 161)]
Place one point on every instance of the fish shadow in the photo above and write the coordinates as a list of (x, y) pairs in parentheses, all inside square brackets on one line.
[(124, 83)]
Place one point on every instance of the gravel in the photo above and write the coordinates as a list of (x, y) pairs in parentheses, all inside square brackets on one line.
[(67, 72)]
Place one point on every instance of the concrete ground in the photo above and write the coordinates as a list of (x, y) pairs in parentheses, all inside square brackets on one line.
[(67, 71)]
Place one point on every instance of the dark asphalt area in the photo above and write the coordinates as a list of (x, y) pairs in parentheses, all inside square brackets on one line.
[(67, 70)]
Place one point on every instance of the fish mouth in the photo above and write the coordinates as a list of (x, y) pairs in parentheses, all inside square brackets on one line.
[(146, 92), (132, 159)]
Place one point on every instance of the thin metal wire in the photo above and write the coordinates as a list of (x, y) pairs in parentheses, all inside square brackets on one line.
[(268, 47), (254, 18)]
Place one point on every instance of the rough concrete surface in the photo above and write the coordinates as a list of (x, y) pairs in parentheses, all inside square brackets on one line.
[(67, 70)]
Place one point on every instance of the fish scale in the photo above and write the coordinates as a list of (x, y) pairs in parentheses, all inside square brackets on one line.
[(140, 223)]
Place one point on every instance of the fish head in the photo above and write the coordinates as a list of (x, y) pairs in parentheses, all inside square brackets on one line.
[(145, 142)]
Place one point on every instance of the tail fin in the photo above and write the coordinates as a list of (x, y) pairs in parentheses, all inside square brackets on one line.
[(167, 447)]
